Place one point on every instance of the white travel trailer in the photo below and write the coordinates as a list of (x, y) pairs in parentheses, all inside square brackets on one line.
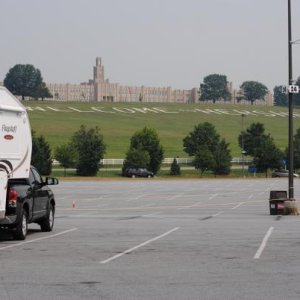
[(15, 143)]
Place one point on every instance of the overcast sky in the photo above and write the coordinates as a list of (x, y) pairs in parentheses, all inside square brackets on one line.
[(151, 42)]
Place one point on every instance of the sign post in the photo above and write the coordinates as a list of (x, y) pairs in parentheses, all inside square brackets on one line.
[(290, 99)]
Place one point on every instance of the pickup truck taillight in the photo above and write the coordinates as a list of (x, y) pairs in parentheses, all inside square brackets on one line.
[(12, 198)]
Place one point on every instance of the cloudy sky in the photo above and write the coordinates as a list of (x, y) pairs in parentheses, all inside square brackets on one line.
[(151, 42)]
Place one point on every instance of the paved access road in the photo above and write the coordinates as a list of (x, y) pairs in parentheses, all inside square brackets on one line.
[(158, 239)]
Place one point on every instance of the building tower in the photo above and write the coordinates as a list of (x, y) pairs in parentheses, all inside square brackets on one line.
[(98, 71)]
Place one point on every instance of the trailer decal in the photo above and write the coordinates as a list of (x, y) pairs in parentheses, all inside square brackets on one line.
[(22, 162), (6, 166), (9, 137)]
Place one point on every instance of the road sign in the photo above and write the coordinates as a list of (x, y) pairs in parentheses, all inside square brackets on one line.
[(284, 89), (252, 169), (293, 89)]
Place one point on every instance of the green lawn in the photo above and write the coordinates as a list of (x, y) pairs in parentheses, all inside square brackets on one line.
[(119, 121)]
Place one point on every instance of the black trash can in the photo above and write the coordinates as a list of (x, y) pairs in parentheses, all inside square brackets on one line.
[(276, 201)]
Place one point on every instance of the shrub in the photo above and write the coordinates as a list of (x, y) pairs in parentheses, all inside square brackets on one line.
[(175, 168)]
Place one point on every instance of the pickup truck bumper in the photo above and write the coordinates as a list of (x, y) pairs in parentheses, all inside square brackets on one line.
[(8, 220)]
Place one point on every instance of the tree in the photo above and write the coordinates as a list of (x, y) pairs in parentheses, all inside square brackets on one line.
[(25, 81), (252, 138), (214, 87), (175, 168), (42, 92), (222, 159), (267, 156), (90, 148), (296, 150), (204, 160), (210, 152), (41, 155), (67, 156), (204, 134), (136, 158), (147, 139), (261, 147), (280, 98), (252, 91)]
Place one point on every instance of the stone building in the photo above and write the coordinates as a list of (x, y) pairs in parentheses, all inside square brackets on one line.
[(101, 90)]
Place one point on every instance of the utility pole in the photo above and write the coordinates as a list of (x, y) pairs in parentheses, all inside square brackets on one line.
[(290, 99)]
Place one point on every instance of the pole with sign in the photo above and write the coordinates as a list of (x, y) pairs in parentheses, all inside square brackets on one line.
[(290, 99), (293, 89)]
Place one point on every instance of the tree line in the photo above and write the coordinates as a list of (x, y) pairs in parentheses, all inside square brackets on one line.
[(26, 81), (215, 88), (209, 151)]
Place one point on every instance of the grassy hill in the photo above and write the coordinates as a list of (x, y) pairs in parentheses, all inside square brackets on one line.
[(57, 121)]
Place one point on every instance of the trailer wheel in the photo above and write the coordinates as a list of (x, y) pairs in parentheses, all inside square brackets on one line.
[(48, 223), (22, 227)]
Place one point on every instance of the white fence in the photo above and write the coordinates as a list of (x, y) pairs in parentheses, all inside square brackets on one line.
[(240, 160), (180, 160), (114, 161)]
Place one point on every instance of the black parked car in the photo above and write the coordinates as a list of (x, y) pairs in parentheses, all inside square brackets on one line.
[(29, 200), (140, 172)]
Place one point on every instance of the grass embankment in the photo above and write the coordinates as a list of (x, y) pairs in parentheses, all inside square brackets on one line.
[(58, 121)]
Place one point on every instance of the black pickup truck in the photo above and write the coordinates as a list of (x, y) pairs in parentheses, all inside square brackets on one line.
[(29, 200)]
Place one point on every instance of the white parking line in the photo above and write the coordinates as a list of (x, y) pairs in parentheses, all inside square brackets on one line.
[(238, 205), (148, 205), (212, 197), (198, 203), (136, 198), (217, 214), (263, 243), (65, 197), (139, 246), (153, 214), (38, 239), (175, 197), (101, 205)]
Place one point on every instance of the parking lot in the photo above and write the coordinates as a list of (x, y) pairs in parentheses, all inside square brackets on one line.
[(158, 239)]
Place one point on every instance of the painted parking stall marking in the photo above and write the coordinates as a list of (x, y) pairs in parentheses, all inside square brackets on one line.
[(139, 246), (238, 205), (38, 239), (200, 203), (217, 214), (263, 243)]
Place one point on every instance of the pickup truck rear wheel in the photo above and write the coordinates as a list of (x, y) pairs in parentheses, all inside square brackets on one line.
[(47, 223), (22, 227)]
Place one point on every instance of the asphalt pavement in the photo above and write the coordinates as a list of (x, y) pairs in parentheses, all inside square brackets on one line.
[(158, 239)]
